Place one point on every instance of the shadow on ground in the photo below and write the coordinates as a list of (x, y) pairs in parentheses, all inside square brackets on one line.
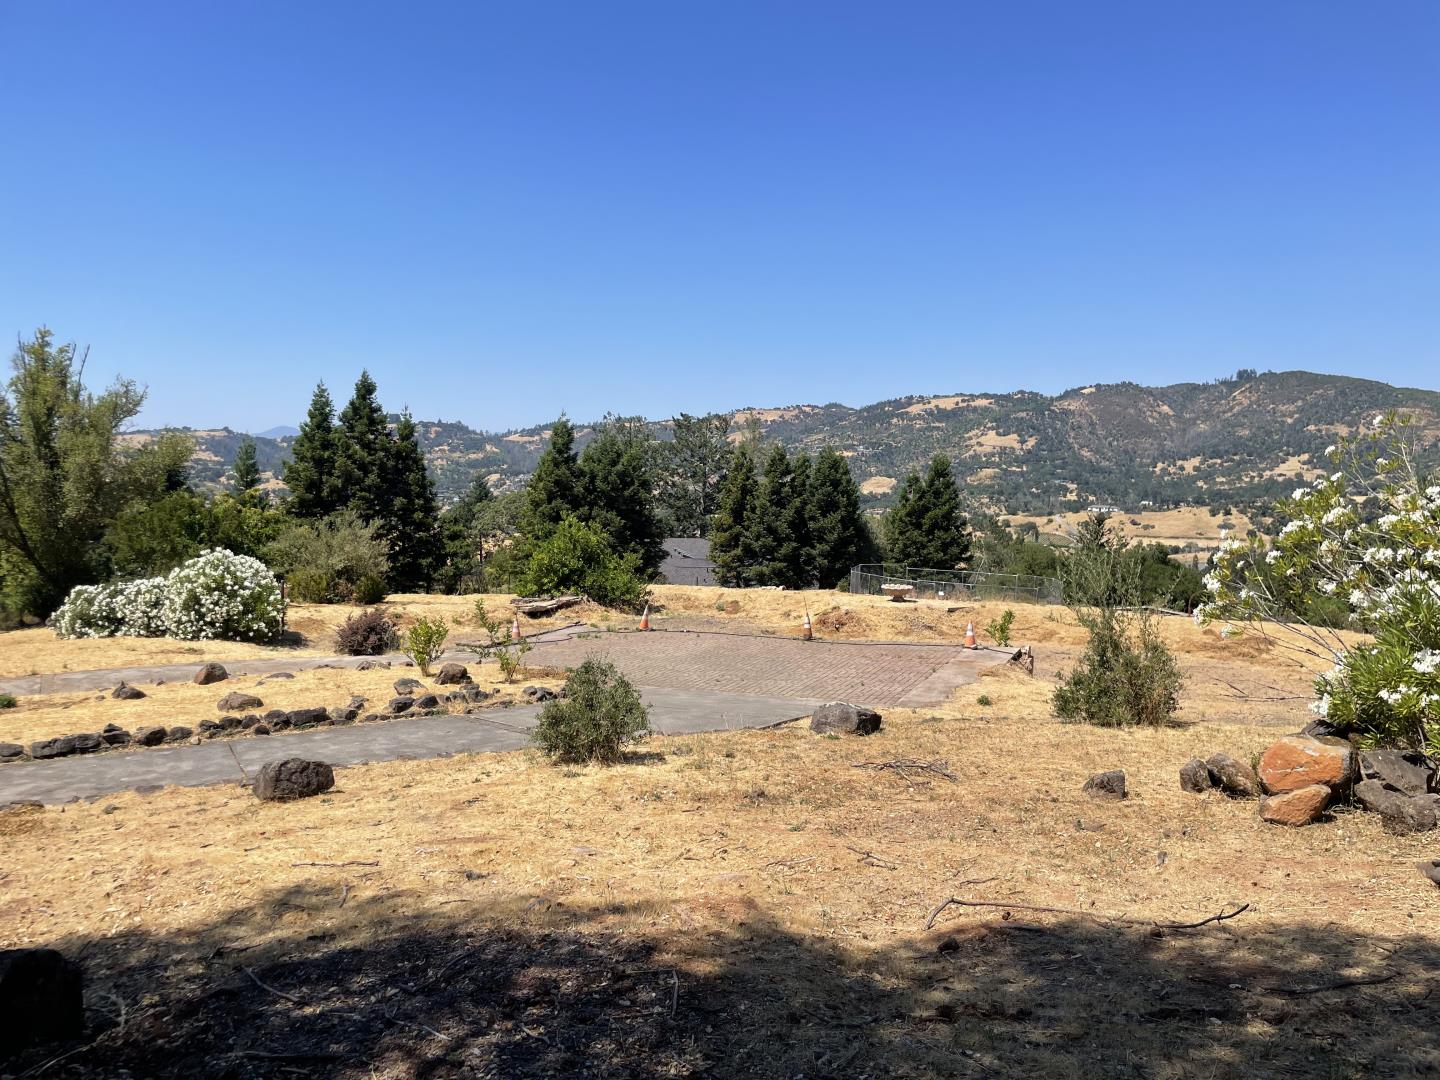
[(532, 992)]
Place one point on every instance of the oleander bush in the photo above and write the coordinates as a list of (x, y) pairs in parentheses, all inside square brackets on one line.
[(217, 595)]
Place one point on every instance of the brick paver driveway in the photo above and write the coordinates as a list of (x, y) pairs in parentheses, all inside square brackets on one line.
[(865, 673)]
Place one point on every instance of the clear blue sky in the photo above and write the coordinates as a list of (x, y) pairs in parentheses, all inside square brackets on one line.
[(505, 210)]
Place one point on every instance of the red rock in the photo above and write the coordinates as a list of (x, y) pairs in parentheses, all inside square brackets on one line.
[(1295, 808), (1298, 761)]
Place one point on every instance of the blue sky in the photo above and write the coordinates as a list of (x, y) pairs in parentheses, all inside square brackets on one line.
[(505, 210)]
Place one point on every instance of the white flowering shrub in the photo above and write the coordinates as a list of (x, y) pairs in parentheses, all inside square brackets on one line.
[(1385, 568), (222, 595), (217, 595)]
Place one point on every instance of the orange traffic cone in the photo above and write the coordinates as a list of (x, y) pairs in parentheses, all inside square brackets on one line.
[(645, 619), (970, 636), (515, 628), (809, 631)]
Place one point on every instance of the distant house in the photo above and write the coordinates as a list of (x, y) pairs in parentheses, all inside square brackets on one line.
[(687, 562)]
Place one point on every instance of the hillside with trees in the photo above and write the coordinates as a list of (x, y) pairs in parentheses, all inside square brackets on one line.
[(1244, 440)]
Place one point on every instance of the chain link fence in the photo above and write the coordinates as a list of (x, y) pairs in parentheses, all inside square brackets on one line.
[(955, 584)]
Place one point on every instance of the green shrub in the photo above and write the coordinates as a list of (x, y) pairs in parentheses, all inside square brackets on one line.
[(310, 586), (599, 714), (999, 629), (508, 650), (7, 701), (1125, 676), (367, 633), (984, 699), (577, 558), (340, 550), (424, 642), (369, 589)]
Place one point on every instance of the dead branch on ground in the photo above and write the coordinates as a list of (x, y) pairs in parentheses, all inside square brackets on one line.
[(1122, 919)]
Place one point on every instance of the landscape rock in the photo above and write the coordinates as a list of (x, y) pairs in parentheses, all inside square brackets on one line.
[(371, 665), (249, 720), (1195, 776), (126, 692), (229, 723), (117, 737), (1402, 813), (451, 674), (842, 718), (53, 748), (235, 701), (87, 742), (211, 673), (1322, 728), (208, 727), (1106, 785), (1409, 772), (1233, 777), (408, 687), (357, 701), (1298, 761), (1295, 808), (429, 701), (150, 736), (1431, 869), (538, 694), (278, 675), (343, 714), (293, 778), (10, 751), (399, 705), (41, 998), (178, 733), (308, 717), (260, 729)]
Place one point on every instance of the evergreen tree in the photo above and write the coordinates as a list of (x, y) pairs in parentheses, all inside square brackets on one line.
[(693, 473), (841, 540), (926, 528), (730, 531), (247, 472), (463, 543), (555, 489), (310, 474), (409, 521), (777, 531), (617, 490), (364, 457)]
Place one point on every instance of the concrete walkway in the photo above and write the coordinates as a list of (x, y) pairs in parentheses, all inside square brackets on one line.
[(672, 712)]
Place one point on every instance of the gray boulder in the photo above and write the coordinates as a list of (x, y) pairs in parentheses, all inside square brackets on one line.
[(408, 687), (178, 734), (115, 736), (1195, 777), (149, 736), (539, 694), (238, 702), (87, 742), (310, 717), (1409, 772), (1234, 777), (293, 778), (1402, 813), (428, 701), (399, 705), (452, 674), (10, 751), (842, 718), (53, 748), (41, 999), (1106, 785), (126, 692), (211, 673)]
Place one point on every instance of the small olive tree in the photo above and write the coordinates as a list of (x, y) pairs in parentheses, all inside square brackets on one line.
[(1384, 567), (599, 714)]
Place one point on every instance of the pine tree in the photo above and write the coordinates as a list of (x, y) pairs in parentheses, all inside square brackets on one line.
[(463, 554), (310, 474), (617, 490), (777, 532), (364, 452), (247, 472), (554, 491), (841, 540), (409, 522), (693, 474), (927, 529), (730, 545)]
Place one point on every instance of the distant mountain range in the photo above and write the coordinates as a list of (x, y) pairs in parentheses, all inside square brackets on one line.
[(1239, 440)]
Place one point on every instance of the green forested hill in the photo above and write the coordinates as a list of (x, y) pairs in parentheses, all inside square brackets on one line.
[(1234, 441)]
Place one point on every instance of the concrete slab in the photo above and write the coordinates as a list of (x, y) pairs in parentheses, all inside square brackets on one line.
[(673, 712)]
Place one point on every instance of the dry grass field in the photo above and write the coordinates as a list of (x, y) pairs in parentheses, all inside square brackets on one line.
[(1178, 527), (752, 903)]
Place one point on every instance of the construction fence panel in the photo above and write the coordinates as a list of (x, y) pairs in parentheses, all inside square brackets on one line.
[(974, 585)]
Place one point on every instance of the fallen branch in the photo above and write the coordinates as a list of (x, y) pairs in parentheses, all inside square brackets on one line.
[(352, 862), (267, 987), (344, 895), (1125, 920), (1342, 984), (869, 858), (902, 768)]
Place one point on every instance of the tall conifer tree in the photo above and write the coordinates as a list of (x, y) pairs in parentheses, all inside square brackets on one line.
[(555, 489), (841, 540), (247, 472), (617, 490), (926, 527), (310, 474), (730, 546), (409, 521), (364, 452)]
